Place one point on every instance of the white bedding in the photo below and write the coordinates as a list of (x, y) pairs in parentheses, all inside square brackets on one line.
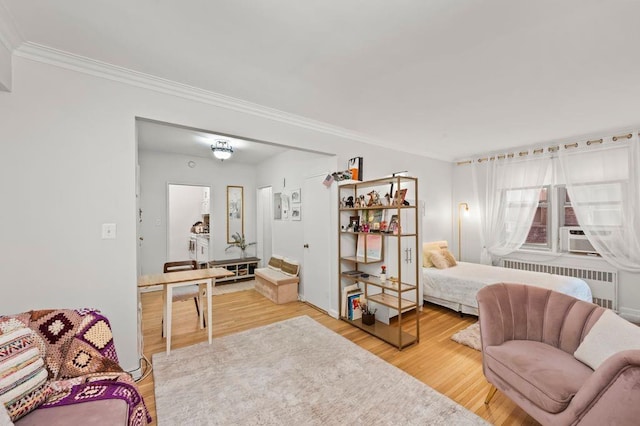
[(456, 287)]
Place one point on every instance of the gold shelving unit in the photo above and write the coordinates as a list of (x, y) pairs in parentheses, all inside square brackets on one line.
[(397, 250)]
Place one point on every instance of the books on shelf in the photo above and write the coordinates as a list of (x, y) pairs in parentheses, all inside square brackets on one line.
[(354, 306), (346, 292)]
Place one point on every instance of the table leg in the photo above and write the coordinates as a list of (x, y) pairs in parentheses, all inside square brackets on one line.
[(167, 319), (210, 282), (200, 300), (164, 312)]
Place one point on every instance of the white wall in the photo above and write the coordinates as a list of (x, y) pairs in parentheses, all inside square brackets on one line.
[(158, 169), (284, 173), (68, 166), (5, 68), (628, 289)]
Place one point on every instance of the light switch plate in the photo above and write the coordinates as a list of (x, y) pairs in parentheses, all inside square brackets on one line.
[(108, 231)]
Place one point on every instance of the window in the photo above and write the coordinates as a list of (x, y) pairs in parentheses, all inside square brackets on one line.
[(602, 202), (539, 236), (567, 215)]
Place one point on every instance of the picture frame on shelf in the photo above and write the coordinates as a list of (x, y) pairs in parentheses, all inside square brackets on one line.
[(369, 247), (398, 198), (354, 223), (392, 228), (354, 165)]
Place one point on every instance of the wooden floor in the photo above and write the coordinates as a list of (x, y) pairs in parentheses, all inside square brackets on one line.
[(450, 368)]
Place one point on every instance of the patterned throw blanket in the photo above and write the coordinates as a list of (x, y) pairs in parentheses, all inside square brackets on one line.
[(81, 359)]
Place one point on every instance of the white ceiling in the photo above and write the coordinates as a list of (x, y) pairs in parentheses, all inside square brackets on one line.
[(447, 78), (167, 138)]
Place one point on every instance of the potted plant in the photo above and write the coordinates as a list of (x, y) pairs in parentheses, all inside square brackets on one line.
[(240, 242), (368, 315)]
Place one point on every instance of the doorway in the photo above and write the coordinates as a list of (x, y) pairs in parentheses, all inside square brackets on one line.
[(188, 208)]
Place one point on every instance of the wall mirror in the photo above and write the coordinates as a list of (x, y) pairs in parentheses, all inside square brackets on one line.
[(235, 212)]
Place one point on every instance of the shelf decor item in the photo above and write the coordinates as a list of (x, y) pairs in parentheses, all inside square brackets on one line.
[(368, 315), (240, 242)]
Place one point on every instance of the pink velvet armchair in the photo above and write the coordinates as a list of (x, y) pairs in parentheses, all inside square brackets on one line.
[(529, 336)]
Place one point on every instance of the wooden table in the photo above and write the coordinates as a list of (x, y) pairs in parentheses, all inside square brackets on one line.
[(169, 280)]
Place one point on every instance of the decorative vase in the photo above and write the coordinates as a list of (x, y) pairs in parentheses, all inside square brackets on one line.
[(383, 277), (368, 319)]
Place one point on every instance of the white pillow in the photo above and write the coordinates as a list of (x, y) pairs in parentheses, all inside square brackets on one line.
[(609, 335)]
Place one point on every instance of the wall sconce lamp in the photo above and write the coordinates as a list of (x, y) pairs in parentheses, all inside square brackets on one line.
[(466, 214), (222, 150)]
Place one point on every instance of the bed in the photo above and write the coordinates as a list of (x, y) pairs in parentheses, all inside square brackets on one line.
[(455, 287)]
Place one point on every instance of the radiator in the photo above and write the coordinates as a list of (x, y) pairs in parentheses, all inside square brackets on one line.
[(603, 284)]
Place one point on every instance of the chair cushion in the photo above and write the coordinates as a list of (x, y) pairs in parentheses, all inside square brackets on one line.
[(290, 267), (184, 292), (546, 376), (98, 412), (275, 262)]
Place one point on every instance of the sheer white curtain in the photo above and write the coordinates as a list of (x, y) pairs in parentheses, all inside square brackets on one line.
[(507, 192), (604, 188)]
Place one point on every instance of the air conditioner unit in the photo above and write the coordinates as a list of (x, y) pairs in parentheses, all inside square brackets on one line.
[(573, 240)]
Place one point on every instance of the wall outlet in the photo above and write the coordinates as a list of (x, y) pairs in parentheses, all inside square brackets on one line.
[(108, 231)]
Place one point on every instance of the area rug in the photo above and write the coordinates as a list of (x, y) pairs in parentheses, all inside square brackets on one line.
[(294, 372), (232, 288), (469, 336)]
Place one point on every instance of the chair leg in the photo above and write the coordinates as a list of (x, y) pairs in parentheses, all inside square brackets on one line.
[(204, 322), (492, 391), (195, 299)]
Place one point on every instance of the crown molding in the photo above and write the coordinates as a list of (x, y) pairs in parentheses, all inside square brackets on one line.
[(59, 58)]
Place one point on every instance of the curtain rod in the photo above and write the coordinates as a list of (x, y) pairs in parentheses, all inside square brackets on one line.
[(549, 149)]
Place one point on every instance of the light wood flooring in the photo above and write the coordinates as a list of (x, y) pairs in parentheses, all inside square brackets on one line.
[(450, 368)]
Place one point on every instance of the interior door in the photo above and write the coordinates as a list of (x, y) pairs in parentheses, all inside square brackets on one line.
[(316, 212)]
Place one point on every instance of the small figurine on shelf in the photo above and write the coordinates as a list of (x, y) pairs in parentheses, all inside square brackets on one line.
[(383, 274), (349, 202), (374, 199)]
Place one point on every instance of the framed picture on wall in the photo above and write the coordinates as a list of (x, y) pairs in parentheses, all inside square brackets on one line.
[(296, 196), (277, 206), (235, 212), (296, 213)]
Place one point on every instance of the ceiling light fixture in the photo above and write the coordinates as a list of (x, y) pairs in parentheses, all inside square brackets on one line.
[(222, 150)]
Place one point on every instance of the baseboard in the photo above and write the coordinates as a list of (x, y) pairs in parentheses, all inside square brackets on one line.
[(632, 315), (334, 313)]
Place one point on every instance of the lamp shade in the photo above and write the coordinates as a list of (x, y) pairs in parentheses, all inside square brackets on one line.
[(222, 150)]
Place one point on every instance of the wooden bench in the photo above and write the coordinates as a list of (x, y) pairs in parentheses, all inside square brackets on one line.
[(279, 281)]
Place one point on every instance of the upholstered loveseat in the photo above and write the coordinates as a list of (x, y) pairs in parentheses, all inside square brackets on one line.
[(561, 359), (60, 367)]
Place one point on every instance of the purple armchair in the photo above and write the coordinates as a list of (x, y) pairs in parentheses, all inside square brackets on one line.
[(529, 335)]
